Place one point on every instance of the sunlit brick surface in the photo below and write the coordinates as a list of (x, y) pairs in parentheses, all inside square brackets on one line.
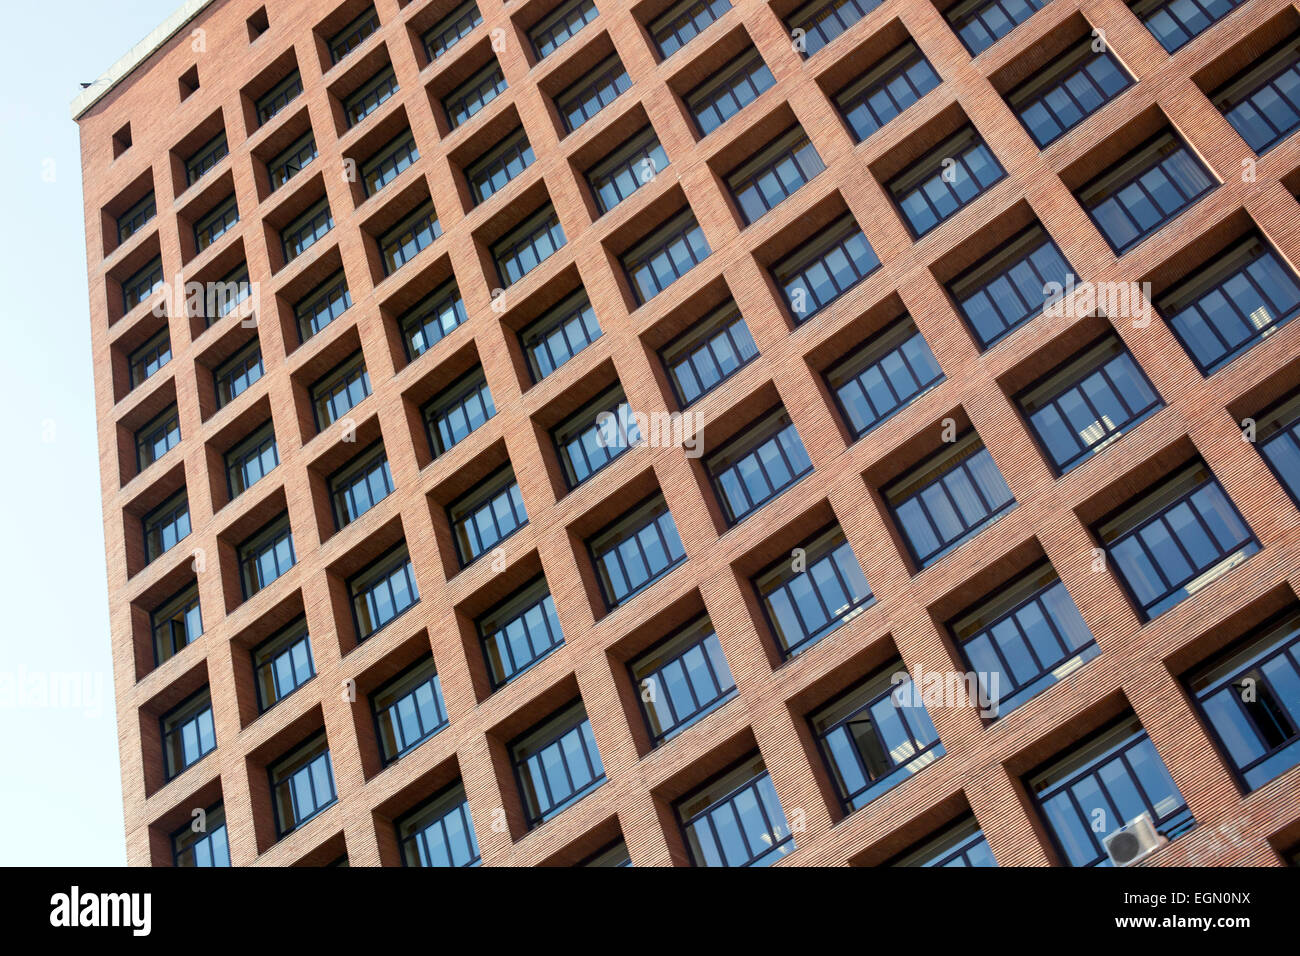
[(1139, 665)]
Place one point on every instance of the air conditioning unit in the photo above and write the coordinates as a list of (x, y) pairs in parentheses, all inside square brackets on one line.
[(1133, 842)]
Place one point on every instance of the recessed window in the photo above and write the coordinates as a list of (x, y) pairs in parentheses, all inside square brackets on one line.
[(1277, 436), (634, 164), (353, 34), (507, 160), (251, 460), (813, 591), (340, 391), (463, 408), (1104, 783), (322, 305), (708, 353), (875, 736), (528, 245), (474, 94), (683, 22), (176, 623), (519, 632), (270, 103), (292, 160), (360, 485), (226, 293), (1263, 104), (386, 165), (258, 24), (560, 334), (383, 591), (665, 255), (150, 357), (205, 158), (139, 286), (550, 32), (736, 820), (939, 184), (307, 229), (613, 855), (818, 22), (885, 90), (729, 90), (948, 499), (486, 516), (593, 92), (215, 224), (370, 96), (556, 763), (157, 437), (203, 847), (779, 168), (982, 23), (433, 318), (236, 374), (757, 464), (450, 30), (1087, 403), (1023, 639), (188, 734), (189, 82), (166, 525), (1067, 91), (883, 376), (962, 844), (302, 784), (439, 832), (1011, 285), (1177, 22), (136, 218), (122, 140), (1250, 697), (1143, 191), (408, 710), (636, 551), (595, 435), (825, 267), (282, 663), (404, 241), (1175, 539), (1231, 303), (266, 555), (682, 679)]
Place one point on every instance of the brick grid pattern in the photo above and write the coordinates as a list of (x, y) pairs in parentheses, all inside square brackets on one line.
[(983, 762)]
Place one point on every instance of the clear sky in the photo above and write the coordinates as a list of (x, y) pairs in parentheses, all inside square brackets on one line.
[(60, 788)]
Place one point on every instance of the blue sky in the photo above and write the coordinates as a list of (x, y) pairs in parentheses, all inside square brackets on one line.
[(60, 788)]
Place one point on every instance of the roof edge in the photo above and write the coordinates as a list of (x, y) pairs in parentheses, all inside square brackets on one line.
[(119, 71)]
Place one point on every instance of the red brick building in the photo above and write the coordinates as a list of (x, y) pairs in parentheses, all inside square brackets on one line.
[(389, 584)]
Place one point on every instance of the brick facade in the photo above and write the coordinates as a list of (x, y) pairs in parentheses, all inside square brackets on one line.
[(1139, 665)]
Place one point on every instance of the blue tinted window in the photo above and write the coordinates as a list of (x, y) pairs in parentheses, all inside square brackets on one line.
[(638, 550), (1023, 639), (887, 89), (876, 736), (736, 820), (1086, 404), (806, 600), (948, 499), (1104, 784), (883, 376), (1176, 539), (1142, 192), (1235, 300)]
